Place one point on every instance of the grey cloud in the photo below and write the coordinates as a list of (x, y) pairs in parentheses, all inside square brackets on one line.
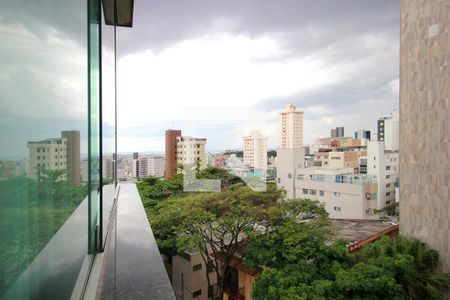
[(298, 24)]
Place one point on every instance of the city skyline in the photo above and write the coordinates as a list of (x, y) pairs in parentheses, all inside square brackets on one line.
[(332, 72)]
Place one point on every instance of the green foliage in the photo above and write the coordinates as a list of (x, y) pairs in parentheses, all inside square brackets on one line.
[(272, 153), (291, 240), (31, 212), (397, 268)]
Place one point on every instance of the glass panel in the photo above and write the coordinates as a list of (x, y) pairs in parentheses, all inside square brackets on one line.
[(43, 149), (94, 122), (108, 123)]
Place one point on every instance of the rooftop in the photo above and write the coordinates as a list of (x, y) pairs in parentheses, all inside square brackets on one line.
[(360, 230)]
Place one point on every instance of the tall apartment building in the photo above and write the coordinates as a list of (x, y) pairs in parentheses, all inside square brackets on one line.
[(73, 155), (191, 151), (57, 154), (384, 165), (108, 165), (340, 132), (49, 154), (424, 126), (290, 153), (333, 133), (291, 128), (255, 150), (171, 152), (388, 131), (148, 165)]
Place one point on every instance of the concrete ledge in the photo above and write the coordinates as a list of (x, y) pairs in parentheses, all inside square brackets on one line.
[(133, 267)]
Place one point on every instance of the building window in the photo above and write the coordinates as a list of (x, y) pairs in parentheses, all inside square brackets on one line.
[(305, 191), (313, 192), (337, 208), (388, 168), (197, 267), (374, 158), (289, 175), (197, 294), (388, 185), (388, 193), (301, 177), (321, 193), (279, 181), (337, 194), (388, 176)]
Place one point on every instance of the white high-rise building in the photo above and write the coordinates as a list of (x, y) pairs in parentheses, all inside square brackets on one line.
[(255, 150), (49, 154), (151, 165), (191, 151), (108, 167), (290, 154), (291, 128), (388, 131), (384, 165)]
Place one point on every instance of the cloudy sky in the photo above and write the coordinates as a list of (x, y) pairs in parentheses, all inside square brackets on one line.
[(215, 69), (336, 60)]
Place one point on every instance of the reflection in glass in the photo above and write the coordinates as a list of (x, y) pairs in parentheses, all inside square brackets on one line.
[(94, 90), (43, 149)]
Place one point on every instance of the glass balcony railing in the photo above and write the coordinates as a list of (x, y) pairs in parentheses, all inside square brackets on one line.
[(348, 179)]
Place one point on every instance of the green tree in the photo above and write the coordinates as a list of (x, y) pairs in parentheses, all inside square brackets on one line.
[(397, 268)]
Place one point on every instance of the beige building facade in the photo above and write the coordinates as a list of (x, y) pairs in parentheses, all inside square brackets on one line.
[(189, 277), (424, 124), (255, 150), (291, 128), (191, 151), (49, 154)]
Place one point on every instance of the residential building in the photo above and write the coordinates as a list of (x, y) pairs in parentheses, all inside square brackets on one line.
[(171, 152), (388, 131), (346, 195), (288, 160), (108, 165), (191, 151), (291, 128), (333, 133), (57, 154), (73, 155), (155, 166), (340, 132), (255, 150), (345, 159), (189, 277), (290, 153), (424, 126), (362, 134), (339, 159), (49, 154), (84, 167), (135, 165), (150, 165), (13, 168), (384, 165)]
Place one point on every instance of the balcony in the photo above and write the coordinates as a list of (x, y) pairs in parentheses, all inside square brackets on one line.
[(348, 179)]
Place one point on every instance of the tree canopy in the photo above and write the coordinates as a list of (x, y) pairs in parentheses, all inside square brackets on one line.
[(292, 240)]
